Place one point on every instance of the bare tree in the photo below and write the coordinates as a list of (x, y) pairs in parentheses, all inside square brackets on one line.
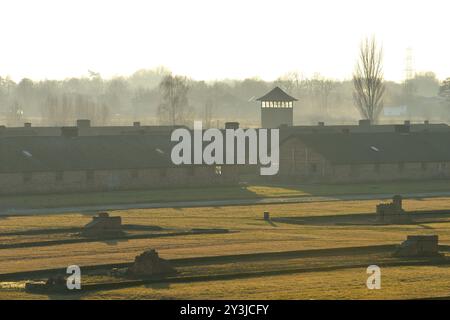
[(319, 90), (444, 89), (326, 86), (290, 82), (174, 106), (104, 114), (15, 114), (368, 80), (208, 112)]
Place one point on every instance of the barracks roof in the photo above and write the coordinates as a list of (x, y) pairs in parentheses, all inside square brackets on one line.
[(59, 153), (379, 147), (276, 94)]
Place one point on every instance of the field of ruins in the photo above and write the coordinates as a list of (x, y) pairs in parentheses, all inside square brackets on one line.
[(311, 250)]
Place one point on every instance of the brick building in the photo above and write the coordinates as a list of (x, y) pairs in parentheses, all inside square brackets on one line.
[(341, 157), (84, 158), (71, 163)]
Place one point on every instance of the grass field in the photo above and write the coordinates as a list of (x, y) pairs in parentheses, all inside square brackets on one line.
[(397, 283), (217, 193), (251, 234)]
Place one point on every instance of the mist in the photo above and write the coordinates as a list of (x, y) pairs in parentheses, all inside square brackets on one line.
[(140, 97)]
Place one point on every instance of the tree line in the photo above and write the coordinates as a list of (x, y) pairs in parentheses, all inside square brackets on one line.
[(159, 97)]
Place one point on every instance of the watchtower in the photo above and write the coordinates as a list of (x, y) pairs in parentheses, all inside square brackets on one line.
[(276, 109)]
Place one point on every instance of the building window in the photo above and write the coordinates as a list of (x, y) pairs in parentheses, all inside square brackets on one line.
[(90, 176), (218, 170), (424, 166), (376, 167), (59, 176), (27, 176), (401, 167), (134, 174)]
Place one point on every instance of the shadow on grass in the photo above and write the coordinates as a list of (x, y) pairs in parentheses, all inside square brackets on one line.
[(271, 223), (158, 286), (254, 191), (425, 226)]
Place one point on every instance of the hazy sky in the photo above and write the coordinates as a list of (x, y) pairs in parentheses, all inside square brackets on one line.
[(216, 39)]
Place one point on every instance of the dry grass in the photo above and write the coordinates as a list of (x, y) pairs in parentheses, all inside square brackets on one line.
[(253, 234), (396, 283)]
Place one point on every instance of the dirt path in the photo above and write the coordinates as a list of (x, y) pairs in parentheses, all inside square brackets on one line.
[(214, 203)]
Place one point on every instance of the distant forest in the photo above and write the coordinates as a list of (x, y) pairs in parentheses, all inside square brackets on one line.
[(145, 96)]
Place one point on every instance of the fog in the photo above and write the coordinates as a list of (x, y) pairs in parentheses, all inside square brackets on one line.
[(49, 47), (124, 99)]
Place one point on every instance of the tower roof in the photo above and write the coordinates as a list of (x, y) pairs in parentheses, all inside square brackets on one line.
[(276, 94)]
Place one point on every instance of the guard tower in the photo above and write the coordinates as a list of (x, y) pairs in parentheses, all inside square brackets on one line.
[(276, 109)]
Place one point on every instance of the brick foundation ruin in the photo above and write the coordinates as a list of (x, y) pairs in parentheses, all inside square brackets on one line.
[(55, 283), (392, 212), (419, 246), (103, 225), (149, 264)]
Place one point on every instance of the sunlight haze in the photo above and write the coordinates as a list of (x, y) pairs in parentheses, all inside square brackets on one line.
[(218, 39)]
